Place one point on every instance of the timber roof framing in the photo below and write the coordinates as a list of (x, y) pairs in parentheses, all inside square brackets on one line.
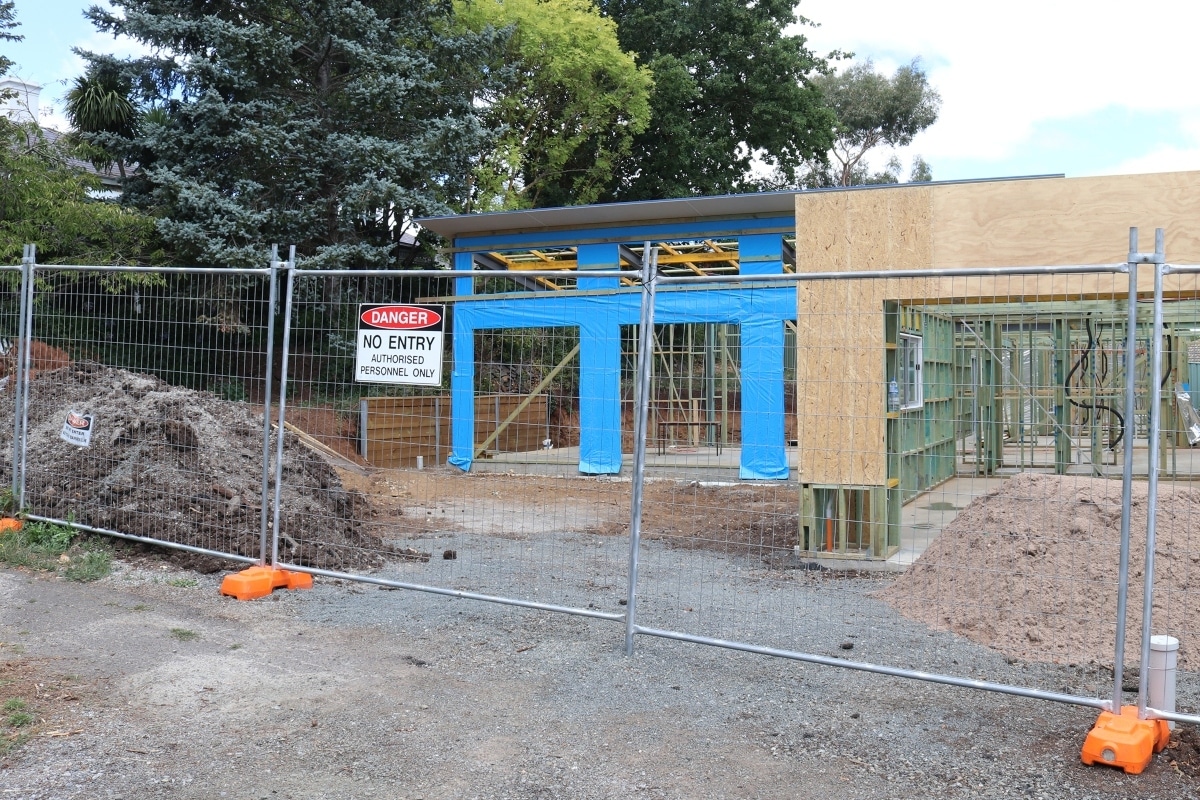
[(705, 257)]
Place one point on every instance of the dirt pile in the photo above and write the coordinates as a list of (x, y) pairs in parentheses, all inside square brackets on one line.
[(179, 466), (1031, 570)]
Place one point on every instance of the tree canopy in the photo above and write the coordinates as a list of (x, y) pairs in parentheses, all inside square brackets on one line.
[(873, 110), (323, 123), (569, 107), (98, 107), (44, 200), (729, 87)]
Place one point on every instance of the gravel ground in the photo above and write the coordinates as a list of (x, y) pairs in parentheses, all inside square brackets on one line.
[(350, 691)]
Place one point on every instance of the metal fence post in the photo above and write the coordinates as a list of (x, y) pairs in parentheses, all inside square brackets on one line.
[(1152, 469), (289, 267), (19, 379), (641, 418), (1126, 474), (25, 367), (267, 376)]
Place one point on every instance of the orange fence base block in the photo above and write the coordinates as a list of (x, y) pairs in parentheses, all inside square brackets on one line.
[(1124, 741), (259, 581), (9, 524)]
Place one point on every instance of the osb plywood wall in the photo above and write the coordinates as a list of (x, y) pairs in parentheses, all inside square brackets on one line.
[(840, 337), (840, 369)]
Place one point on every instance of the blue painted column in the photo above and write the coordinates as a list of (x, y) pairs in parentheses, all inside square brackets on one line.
[(599, 370), (462, 377), (764, 456)]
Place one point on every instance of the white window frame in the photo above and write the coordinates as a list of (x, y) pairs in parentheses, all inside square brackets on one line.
[(910, 363)]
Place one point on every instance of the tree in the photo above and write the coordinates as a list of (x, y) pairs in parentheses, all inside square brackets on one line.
[(324, 123), (729, 88), (44, 201), (99, 108), (874, 110), (570, 106)]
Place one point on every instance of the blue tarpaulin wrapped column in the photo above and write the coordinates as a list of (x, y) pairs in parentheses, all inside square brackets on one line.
[(599, 370), (462, 376), (763, 453)]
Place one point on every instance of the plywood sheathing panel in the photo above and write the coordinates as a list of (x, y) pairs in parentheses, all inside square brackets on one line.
[(840, 367), (401, 428), (841, 426), (1065, 220)]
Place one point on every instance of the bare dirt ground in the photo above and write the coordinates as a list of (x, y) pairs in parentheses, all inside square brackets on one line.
[(1049, 546), (684, 514), (148, 685)]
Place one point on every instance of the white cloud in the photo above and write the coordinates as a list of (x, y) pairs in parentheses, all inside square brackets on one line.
[(1163, 159), (1003, 68)]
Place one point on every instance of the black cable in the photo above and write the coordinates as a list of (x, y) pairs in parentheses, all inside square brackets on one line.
[(1170, 360), (1091, 407)]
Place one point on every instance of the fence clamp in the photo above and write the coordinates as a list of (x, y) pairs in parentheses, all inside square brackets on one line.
[(1124, 741), (260, 580)]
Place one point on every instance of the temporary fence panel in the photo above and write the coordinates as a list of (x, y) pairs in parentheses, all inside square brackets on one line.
[(878, 545), (145, 404), (1171, 656), (935, 475), (501, 476), (13, 285)]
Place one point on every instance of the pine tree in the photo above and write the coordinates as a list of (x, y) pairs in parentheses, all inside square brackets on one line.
[(321, 123)]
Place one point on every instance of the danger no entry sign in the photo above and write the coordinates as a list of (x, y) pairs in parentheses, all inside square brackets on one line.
[(400, 344)]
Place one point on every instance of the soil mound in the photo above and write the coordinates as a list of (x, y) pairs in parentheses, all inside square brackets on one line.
[(179, 466), (1030, 569)]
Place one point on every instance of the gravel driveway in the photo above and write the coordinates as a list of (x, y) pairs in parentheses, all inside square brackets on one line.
[(148, 684)]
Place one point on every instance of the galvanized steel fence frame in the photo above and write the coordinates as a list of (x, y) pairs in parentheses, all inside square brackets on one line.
[(648, 282)]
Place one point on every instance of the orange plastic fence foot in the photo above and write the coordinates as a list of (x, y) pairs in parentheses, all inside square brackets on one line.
[(9, 524), (1124, 741), (259, 581)]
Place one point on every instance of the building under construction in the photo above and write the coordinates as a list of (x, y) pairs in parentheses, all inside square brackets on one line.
[(864, 392)]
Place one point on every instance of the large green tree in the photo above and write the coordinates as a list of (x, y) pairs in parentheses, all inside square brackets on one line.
[(46, 201), (324, 123), (570, 106), (730, 87), (874, 110)]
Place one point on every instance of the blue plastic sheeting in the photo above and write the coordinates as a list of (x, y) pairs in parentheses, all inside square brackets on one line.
[(763, 456), (599, 370), (760, 312)]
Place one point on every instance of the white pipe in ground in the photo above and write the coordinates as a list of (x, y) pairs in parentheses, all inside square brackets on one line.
[(1164, 651)]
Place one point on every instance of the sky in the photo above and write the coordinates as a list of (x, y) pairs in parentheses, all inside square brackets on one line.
[(1035, 87), (1029, 87)]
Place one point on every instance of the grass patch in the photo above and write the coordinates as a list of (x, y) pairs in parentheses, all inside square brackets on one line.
[(184, 635), (16, 715), (140, 607), (184, 583), (91, 565), (47, 547), (19, 719), (12, 742)]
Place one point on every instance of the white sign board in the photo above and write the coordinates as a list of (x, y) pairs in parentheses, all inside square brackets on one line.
[(77, 429), (400, 344)]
